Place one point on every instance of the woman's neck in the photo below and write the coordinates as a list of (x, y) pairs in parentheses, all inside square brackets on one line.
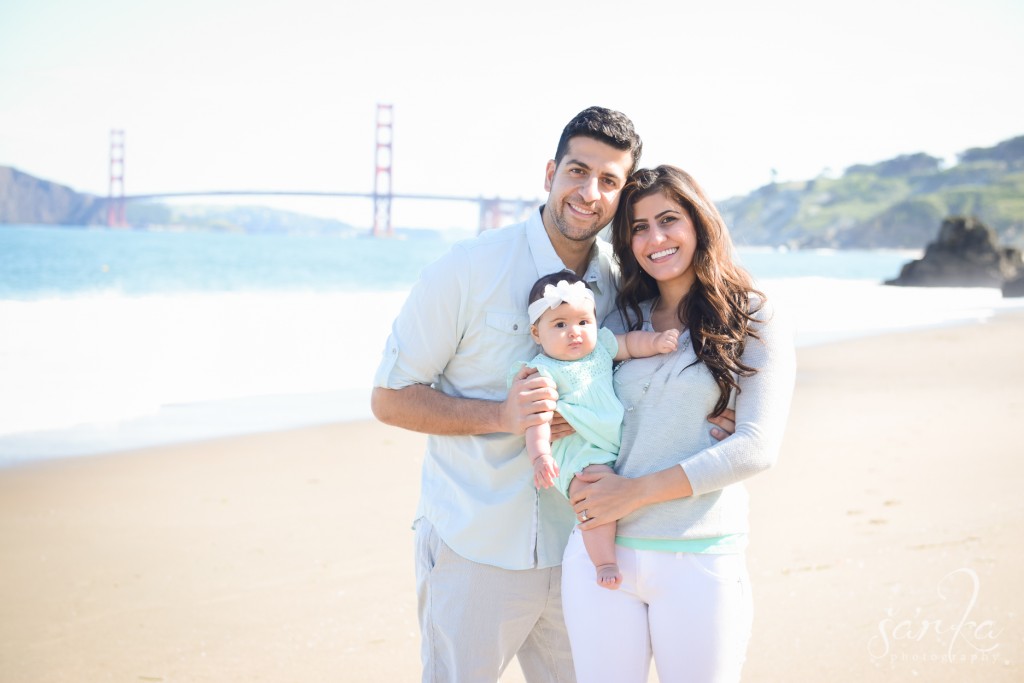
[(665, 311)]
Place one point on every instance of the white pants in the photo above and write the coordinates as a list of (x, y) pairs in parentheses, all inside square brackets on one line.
[(474, 617), (693, 612)]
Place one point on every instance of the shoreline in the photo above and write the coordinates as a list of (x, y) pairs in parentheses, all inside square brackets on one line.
[(196, 422), (892, 516)]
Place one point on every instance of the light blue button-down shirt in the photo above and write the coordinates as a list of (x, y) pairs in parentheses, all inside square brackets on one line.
[(462, 327)]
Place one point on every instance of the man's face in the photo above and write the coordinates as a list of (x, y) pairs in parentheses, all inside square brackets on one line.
[(583, 189)]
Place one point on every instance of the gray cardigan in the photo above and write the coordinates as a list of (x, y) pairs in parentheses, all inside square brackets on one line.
[(666, 426)]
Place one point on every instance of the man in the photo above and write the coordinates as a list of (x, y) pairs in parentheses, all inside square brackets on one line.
[(488, 544)]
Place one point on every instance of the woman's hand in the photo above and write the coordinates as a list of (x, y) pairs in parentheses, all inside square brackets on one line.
[(606, 497), (560, 428)]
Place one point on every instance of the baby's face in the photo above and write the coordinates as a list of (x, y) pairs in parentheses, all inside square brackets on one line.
[(568, 332)]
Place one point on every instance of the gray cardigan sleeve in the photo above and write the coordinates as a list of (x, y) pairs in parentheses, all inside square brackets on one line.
[(762, 409)]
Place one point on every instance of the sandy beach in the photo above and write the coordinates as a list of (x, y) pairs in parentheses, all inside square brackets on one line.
[(885, 544)]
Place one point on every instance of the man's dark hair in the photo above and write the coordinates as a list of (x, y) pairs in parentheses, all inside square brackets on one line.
[(604, 125)]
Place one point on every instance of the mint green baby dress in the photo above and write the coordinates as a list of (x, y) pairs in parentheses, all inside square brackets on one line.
[(586, 399)]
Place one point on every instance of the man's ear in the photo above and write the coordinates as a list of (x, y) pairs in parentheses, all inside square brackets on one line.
[(549, 175)]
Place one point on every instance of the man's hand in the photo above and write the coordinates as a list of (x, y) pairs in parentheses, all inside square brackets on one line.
[(531, 400), (725, 424)]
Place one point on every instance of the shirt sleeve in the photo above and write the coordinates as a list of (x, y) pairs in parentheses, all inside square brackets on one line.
[(428, 329), (606, 338), (762, 409), (537, 362)]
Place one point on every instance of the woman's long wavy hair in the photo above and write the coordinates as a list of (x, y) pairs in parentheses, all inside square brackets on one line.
[(718, 308)]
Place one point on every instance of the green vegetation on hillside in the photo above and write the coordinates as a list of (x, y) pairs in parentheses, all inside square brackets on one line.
[(248, 219), (898, 203)]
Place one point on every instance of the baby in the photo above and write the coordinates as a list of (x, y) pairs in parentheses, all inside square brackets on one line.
[(578, 357)]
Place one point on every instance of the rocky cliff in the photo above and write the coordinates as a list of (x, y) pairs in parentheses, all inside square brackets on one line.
[(30, 200)]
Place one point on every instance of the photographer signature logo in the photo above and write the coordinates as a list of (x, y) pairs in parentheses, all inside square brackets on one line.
[(923, 638)]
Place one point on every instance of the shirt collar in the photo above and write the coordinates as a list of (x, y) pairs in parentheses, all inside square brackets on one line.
[(547, 261)]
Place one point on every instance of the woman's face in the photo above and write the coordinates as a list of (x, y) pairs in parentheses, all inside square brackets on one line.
[(663, 240)]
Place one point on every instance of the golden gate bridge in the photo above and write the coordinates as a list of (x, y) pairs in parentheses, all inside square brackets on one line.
[(494, 211)]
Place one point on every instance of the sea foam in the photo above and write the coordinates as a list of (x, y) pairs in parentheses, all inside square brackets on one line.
[(101, 372), (101, 358)]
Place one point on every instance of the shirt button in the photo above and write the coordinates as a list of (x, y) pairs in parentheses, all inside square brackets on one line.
[(515, 327)]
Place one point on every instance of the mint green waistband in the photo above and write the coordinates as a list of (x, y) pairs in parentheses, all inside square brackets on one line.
[(718, 545)]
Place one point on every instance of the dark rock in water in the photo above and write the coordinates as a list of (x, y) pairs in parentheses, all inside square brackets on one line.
[(966, 254), (1014, 286)]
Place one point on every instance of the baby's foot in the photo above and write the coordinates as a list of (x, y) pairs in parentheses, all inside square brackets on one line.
[(608, 576)]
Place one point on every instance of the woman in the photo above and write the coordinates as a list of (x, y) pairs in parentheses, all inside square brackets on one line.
[(677, 495)]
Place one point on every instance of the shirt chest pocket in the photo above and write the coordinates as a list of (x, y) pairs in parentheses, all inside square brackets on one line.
[(505, 338), (509, 323)]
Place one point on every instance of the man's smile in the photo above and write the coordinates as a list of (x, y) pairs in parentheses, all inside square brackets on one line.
[(580, 209)]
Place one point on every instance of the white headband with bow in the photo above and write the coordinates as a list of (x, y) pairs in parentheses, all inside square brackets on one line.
[(555, 296)]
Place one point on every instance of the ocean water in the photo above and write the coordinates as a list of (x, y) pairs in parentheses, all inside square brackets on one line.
[(119, 339)]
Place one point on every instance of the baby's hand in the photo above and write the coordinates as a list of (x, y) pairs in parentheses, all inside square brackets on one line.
[(667, 341), (545, 471)]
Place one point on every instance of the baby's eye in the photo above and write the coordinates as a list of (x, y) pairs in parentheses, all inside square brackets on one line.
[(559, 324), (584, 322)]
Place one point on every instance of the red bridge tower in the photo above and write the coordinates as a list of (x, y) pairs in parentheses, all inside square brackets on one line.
[(382, 175), (115, 193)]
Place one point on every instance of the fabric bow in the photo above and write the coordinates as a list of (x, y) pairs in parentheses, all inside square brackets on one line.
[(556, 295)]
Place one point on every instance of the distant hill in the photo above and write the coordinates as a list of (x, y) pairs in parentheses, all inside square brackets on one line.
[(31, 200), (25, 199), (229, 218), (897, 203)]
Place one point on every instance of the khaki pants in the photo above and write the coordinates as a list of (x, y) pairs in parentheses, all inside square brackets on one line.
[(474, 617)]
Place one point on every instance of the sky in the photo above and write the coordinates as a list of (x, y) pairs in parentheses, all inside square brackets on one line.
[(226, 94)]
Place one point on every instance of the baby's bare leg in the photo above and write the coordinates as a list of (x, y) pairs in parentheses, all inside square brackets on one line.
[(600, 543)]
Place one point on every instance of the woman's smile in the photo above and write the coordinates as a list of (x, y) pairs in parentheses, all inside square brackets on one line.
[(658, 255)]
